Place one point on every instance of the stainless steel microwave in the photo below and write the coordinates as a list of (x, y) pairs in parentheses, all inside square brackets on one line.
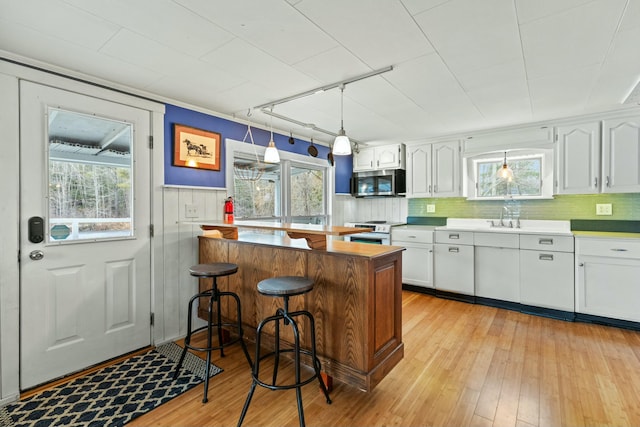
[(379, 183)]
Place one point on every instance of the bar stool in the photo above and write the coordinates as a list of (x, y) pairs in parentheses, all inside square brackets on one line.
[(214, 270), (285, 286)]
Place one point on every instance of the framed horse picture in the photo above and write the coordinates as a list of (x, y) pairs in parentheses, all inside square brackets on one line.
[(196, 148)]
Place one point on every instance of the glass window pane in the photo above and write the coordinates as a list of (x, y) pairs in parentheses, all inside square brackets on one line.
[(307, 194), (527, 178), (257, 189), (90, 177)]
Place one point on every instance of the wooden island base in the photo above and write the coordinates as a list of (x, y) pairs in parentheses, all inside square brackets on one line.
[(356, 301)]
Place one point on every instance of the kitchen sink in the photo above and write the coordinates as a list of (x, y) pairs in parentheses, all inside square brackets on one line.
[(493, 226)]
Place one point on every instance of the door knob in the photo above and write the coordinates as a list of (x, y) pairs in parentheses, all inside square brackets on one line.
[(36, 255)]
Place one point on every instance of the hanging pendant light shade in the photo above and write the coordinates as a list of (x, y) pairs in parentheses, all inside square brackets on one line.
[(505, 171), (271, 153), (341, 145)]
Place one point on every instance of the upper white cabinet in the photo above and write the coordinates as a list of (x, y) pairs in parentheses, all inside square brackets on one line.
[(621, 155), (433, 170), (578, 158), (381, 157)]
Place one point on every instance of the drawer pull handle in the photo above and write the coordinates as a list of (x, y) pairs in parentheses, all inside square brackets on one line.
[(454, 249), (545, 241), (454, 236), (545, 257), (619, 250)]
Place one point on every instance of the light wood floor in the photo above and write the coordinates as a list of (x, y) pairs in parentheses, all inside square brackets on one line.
[(464, 365)]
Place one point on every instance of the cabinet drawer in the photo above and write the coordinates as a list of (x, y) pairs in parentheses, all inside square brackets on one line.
[(454, 237), (617, 248), (497, 240), (418, 235), (546, 242)]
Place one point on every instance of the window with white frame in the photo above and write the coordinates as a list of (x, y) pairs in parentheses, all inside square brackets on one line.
[(532, 175), (295, 190)]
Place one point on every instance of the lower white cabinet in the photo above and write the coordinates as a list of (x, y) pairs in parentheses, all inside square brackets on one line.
[(497, 266), (453, 262), (417, 258), (546, 271), (417, 264), (608, 277), (546, 279)]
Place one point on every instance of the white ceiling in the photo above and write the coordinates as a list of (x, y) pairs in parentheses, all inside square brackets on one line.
[(459, 65)]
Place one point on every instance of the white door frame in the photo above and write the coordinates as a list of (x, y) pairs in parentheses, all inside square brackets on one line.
[(10, 74)]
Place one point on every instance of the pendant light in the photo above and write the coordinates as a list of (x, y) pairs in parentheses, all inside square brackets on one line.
[(341, 145), (271, 153), (505, 171)]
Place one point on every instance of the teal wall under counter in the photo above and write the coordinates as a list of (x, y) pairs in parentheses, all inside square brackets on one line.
[(624, 207)]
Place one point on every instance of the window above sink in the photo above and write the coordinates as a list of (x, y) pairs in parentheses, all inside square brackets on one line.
[(532, 175)]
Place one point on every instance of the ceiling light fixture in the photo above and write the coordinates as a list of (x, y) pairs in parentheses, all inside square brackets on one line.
[(341, 145), (271, 153), (505, 171)]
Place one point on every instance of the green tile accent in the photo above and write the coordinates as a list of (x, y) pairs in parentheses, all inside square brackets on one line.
[(427, 220), (625, 207), (618, 226)]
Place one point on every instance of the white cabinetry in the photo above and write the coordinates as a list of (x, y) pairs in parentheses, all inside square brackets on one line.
[(578, 158), (433, 170), (497, 272), (546, 271), (453, 262), (621, 155), (382, 157), (417, 259), (607, 277)]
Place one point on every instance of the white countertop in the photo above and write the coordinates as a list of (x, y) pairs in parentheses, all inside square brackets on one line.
[(526, 226)]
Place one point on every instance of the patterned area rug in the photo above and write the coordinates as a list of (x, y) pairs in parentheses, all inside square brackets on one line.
[(113, 395)]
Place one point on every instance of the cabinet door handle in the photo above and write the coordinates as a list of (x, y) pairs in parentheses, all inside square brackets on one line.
[(435, 188), (607, 182), (454, 249), (545, 257), (595, 182), (455, 236), (545, 241), (619, 250), (581, 264)]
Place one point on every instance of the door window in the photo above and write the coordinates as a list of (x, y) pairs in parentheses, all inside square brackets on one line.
[(90, 177)]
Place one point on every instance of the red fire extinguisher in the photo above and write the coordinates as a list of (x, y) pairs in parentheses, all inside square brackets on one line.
[(228, 210)]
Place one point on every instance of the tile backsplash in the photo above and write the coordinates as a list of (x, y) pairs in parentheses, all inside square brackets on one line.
[(624, 207)]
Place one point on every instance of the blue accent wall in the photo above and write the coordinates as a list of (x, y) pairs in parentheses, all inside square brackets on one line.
[(176, 175)]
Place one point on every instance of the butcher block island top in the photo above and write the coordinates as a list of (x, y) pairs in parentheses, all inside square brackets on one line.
[(356, 300), (314, 234)]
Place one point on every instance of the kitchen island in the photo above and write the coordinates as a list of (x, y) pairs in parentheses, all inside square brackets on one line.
[(356, 300)]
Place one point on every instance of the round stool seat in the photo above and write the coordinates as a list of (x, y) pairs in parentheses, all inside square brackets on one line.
[(285, 286), (213, 269)]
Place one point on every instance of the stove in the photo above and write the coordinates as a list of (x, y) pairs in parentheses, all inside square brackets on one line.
[(380, 235)]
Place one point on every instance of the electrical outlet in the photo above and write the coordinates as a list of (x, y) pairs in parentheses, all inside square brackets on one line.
[(431, 208), (603, 209), (190, 210)]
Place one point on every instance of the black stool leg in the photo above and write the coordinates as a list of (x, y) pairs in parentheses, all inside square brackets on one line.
[(276, 359), (187, 339), (316, 361), (254, 374), (239, 326), (296, 353), (209, 330)]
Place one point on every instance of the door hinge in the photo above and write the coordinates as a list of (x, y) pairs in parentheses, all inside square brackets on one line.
[(151, 142), (151, 230), (19, 256), (152, 319)]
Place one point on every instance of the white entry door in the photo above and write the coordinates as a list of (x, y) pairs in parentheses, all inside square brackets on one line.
[(85, 239)]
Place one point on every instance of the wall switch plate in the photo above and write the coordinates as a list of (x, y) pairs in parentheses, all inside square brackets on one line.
[(603, 209), (431, 208), (190, 210)]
